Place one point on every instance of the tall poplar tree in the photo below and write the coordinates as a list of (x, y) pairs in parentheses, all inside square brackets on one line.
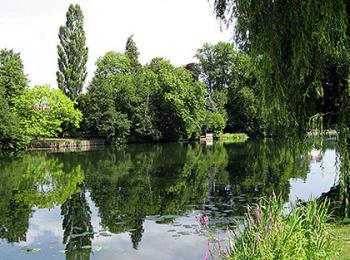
[(72, 54)]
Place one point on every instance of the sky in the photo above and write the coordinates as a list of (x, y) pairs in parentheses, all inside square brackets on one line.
[(173, 29)]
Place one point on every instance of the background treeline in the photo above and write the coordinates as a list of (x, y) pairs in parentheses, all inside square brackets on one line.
[(127, 101)]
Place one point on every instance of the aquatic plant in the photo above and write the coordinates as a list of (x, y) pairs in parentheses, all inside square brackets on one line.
[(271, 230)]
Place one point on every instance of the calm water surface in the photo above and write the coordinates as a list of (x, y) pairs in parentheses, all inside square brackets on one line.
[(140, 202)]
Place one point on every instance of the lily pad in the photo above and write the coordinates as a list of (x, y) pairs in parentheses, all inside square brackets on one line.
[(80, 235), (105, 234), (30, 249), (99, 248)]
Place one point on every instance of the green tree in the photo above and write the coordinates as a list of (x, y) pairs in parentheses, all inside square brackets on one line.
[(301, 49), (143, 116), (216, 62), (132, 53), (110, 96), (245, 107), (215, 122), (11, 134), (216, 115), (72, 54), (42, 111), (215, 65), (158, 102), (13, 81), (234, 96), (179, 102)]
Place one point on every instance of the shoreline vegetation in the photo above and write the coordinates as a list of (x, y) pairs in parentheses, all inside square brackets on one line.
[(71, 144), (67, 144), (287, 74), (232, 138), (272, 229), (130, 102)]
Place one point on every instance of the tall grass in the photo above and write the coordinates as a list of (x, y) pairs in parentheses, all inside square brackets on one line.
[(271, 231)]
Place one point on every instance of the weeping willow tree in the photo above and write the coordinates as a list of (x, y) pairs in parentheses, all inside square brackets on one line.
[(302, 52), (301, 49)]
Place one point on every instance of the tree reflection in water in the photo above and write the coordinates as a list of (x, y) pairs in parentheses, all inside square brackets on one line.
[(131, 184)]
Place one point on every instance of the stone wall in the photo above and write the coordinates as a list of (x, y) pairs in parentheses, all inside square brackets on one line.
[(66, 144)]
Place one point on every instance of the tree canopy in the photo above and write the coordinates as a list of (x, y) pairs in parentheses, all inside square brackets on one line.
[(157, 102), (301, 49), (132, 52), (42, 111), (13, 81)]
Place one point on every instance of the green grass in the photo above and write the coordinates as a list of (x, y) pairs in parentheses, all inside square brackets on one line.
[(233, 138), (341, 241)]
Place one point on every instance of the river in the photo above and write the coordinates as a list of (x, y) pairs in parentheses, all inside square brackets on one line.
[(140, 201)]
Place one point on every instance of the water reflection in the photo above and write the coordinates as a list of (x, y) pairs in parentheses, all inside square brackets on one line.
[(78, 231), (32, 181), (143, 189)]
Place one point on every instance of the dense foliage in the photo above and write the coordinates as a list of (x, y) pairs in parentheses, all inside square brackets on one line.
[(303, 65), (13, 83), (104, 115), (234, 99), (229, 89), (42, 112), (302, 52), (132, 52), (155, 103), (178, 101), (11, 134), (72, 54)]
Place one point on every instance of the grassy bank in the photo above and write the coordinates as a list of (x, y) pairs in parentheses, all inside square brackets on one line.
[(341, 240), (233, 138)]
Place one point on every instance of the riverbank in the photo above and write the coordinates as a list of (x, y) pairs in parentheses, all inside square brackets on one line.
[(86, 144), (233, 138), (65, 144), (341, 242), (325, 133)]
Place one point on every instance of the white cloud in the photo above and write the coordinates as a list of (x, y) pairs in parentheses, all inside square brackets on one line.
[(173, 29)]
